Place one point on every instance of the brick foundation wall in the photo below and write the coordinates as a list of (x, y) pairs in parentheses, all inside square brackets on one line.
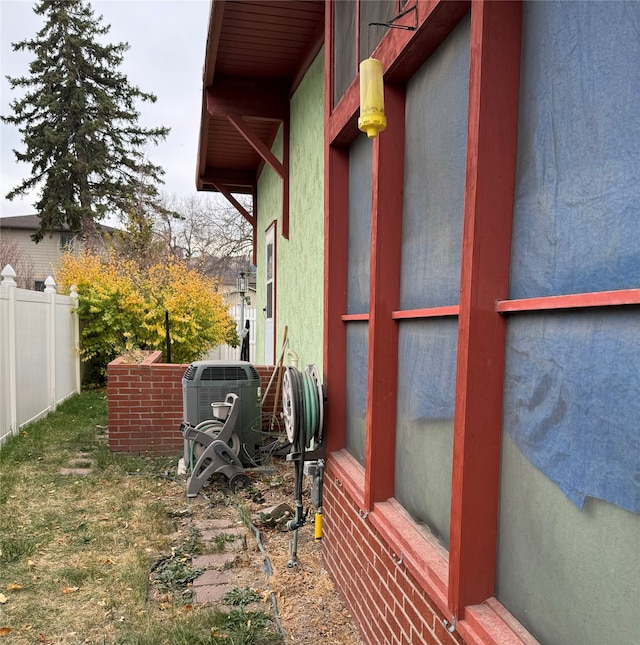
[(385, 601), (145, 405)]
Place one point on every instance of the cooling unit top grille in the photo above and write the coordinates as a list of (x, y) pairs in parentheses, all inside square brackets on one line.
[(190, 374), (223, 373), (211, 371)]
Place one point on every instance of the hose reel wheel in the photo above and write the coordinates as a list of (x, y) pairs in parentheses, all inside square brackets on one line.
[(316, 377), (289, 406), (303, 403), (213, 430)]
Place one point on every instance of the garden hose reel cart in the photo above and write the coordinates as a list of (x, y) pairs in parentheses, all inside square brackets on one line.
[(214, 447)]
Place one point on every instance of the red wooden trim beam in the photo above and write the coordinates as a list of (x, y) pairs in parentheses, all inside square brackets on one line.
[(249, 136), (254, 194), (571, 301), (402, 53), (286, 131), (239, 181), (431, 312), (213, 40), (336, 210), (281, 169), (335, 291), (211, 55), (235, 203), (252, 219), (491, 152), (491, 624), (342, 128), (386, 246), (354, 317), (255, 98), (414, 549), (347, 474)]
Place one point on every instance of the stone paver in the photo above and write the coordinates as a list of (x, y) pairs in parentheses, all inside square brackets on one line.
[(212, 577), (235, 538), (218, 577), (211, 593), (213, 560)]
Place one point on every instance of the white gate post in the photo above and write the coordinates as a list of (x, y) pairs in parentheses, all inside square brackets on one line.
[(8, 275), (50, 290), (73, 293)]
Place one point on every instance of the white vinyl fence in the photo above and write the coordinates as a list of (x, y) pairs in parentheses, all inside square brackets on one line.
[(39, 357), (228, 353)]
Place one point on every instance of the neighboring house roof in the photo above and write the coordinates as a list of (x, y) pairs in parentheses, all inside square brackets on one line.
[(24, 222), (32, 223), (256, 55)]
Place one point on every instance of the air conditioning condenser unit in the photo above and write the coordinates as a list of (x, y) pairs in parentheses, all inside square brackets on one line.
[(207, 382)]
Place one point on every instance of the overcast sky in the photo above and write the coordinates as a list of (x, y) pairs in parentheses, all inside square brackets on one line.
[(167, 41)]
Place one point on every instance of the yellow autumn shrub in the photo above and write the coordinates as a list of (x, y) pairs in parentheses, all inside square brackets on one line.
[(122, 307)]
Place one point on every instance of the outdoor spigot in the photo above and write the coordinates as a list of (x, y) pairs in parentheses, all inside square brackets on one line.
[(299, 520)]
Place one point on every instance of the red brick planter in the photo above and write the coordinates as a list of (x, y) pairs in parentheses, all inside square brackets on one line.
[(145, 405)]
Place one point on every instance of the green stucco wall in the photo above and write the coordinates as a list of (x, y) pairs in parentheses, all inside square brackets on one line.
[(299, 260)]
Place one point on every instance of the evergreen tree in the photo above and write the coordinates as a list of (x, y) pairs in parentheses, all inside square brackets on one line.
[(79, 122)]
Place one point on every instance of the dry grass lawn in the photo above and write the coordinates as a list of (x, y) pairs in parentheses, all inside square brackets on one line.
[(84, 533), (80, 529)]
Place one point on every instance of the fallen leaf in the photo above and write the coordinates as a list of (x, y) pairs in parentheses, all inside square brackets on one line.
[(14, 586), (4, 631), (187, 608), (31, 563), (3, 599), (41, 638), (70, 589)]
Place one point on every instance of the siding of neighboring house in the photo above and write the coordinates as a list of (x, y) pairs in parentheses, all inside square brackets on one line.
[(299, 260), (44, 255)]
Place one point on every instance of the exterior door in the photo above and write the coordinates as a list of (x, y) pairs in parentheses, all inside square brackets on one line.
[(269, 358)]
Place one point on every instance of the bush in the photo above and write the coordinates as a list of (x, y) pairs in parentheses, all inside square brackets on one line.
[(122, 308)]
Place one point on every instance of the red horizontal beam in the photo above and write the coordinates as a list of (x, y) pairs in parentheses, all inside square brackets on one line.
[(407, 314), (571, 301), (430, 312), (253, 98)]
